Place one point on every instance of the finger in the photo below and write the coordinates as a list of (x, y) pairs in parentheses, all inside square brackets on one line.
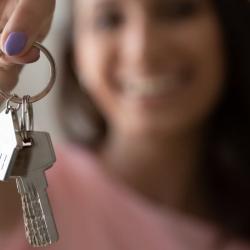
[(31, 56), (5, 73), (29, 22)]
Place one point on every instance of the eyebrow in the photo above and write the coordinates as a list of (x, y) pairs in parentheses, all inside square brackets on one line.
[(100, 4), (176, 1), (106, 3)]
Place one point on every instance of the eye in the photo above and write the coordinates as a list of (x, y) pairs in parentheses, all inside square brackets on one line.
[(176, 10), (109, 20)]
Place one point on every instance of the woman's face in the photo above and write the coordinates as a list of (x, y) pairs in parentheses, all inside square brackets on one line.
[(150, 65)]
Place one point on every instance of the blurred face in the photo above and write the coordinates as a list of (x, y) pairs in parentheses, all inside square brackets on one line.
[(151, 66)]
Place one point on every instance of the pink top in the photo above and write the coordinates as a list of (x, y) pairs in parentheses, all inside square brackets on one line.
[(95, 212)]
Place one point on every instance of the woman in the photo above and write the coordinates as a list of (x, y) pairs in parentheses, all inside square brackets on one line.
[(167, 162)]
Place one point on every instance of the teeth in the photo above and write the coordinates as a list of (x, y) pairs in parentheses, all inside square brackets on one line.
[(150, 87)]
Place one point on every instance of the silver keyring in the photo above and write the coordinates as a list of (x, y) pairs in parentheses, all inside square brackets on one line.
[(9, 106), (27, 122), (50, 84)]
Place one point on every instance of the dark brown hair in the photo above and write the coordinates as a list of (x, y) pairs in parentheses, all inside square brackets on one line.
[(226, 168)]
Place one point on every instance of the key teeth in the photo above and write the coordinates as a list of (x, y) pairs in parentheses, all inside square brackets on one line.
[(35, 225)]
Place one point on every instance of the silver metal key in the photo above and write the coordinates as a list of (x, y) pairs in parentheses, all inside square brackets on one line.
[(10, 142), (29, 169)]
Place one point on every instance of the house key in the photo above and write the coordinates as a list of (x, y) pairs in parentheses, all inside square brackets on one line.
[(36, 156)]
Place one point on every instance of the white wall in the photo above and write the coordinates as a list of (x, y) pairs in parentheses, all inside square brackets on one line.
[(34, 77)]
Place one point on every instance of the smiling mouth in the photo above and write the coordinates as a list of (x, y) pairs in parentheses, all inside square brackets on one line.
[(153, 87)]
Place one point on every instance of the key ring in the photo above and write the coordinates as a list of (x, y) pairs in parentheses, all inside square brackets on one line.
[(9, 107), (27, 121), (49, 86)]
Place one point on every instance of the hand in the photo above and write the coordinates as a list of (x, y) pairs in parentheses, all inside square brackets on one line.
[(22, 22)]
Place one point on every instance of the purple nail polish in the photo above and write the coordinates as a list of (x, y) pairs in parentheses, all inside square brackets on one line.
[(15, 43)]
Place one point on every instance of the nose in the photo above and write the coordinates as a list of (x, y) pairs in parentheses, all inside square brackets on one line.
[(143, 46)]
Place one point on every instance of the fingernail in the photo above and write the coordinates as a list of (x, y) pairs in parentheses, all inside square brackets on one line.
[(15, 43)]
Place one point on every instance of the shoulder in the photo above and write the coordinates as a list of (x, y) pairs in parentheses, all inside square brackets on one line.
[(73, 165), (75, 178)]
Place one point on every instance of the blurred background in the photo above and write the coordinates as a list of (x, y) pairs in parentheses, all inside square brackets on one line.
[(35, 76)]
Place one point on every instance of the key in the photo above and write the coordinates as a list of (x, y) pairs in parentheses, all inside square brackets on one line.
[(31, 163), (10, 141)]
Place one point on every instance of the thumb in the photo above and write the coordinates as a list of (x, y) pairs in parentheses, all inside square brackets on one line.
[(30, 21)]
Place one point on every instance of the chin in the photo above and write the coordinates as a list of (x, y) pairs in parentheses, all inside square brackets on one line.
[(163, 124)]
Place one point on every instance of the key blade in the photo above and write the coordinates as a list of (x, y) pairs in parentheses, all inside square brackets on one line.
[(40, 227)]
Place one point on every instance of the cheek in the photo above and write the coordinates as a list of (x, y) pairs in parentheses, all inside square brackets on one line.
[(211, 67), (95, 61), (88, 67), (209, 52), (205, 45)]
